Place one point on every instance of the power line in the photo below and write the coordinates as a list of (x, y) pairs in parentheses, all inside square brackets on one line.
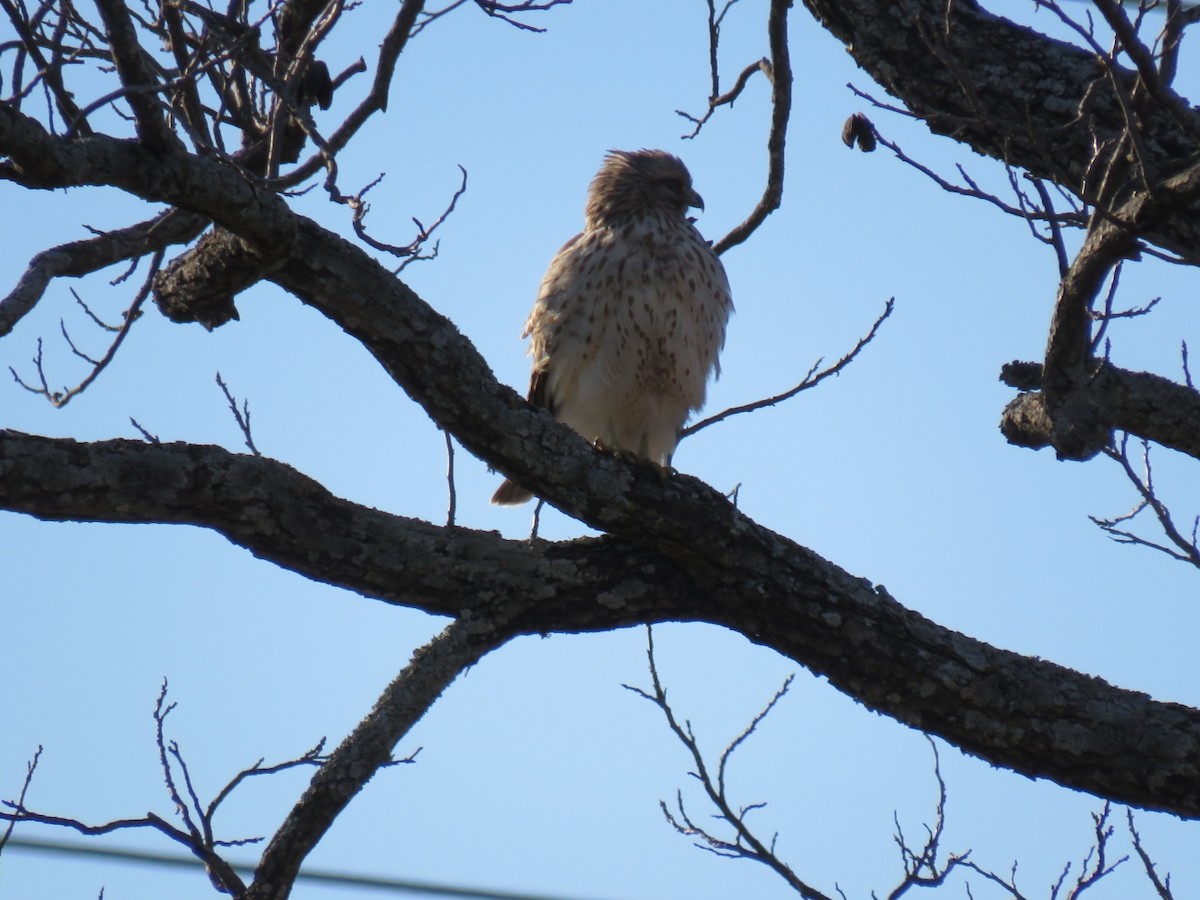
[(340, 879)]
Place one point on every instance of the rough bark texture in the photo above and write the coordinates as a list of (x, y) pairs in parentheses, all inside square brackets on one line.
[(1138, 402)]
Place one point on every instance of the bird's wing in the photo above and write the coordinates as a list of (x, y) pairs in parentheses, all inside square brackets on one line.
[(553, 319)]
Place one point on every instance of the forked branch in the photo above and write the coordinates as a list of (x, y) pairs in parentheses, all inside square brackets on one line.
[(1183, 547), (744, 844), (193, 827)]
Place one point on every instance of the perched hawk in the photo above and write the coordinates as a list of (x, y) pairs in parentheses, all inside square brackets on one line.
[(631, 314)]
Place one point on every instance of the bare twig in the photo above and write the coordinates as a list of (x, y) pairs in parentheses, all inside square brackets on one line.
[(811, 379), (970, 188), (715, 97), (1055, 236), (61, 398), (196, 832), (505, 11), (1185, 549), (1162, 886), (32, 44), (313, 757), (537, 518), (727, 98), (745, 844), (30, 768), (82, 257), (410, 252), (146, 435), (921, 867), (241, 416), (1092, 869), (452, 493)]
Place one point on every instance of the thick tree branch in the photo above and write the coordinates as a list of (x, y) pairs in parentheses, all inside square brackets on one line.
[(38, 159), (1026, 714), (268, 508), (952, 64), (1141, 403), (1079, 430)]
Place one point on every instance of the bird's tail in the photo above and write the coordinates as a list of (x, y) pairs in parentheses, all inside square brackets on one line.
[(511, 494)]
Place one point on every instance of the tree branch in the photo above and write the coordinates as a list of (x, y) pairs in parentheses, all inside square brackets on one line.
[(1141, 403), (369, 747), (745, 843), (137, 77), (1025, 714), (780, 72), (1034, 122), (83, 257)]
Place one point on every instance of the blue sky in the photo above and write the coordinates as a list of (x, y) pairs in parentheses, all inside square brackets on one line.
[(538, 771)]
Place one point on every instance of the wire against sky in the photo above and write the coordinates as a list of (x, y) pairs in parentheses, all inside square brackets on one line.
[(340, 879)]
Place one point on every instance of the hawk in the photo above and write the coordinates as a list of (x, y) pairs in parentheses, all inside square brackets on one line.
[(631, 314)]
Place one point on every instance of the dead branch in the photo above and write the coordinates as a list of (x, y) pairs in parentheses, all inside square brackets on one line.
[(715, 97), (410, 252), (744, 843), (451, 491), (1092, 869), (1023, 208), (505, 11), (921, 865), (726, 99)]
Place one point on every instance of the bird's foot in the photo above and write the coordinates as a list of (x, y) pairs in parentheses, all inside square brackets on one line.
[(663, 472), (604, 447)]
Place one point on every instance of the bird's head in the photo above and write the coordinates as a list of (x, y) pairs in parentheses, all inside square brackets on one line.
[(635, 182)]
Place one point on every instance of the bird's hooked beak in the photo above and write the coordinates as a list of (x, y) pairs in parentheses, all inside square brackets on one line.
[(695, 200)]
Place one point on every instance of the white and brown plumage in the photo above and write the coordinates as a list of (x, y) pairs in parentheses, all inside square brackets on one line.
[(631, 314)]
